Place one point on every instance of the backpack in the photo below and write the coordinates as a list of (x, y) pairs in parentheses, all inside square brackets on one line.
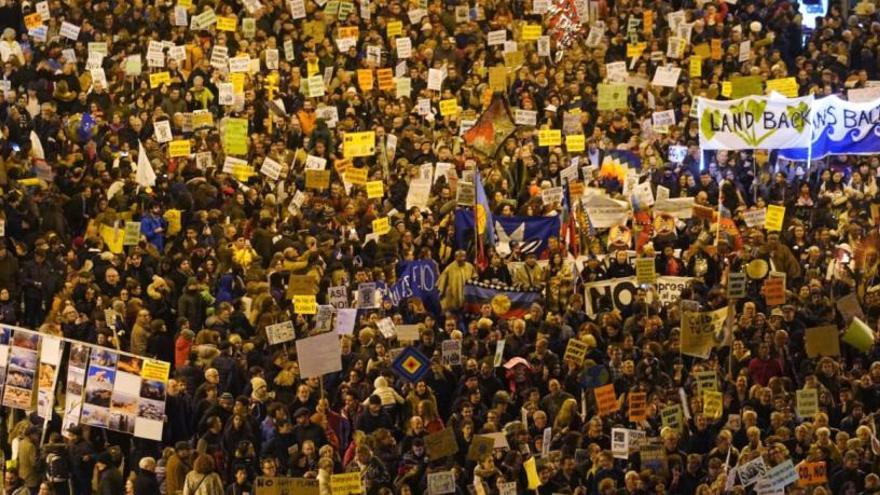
[(57, 469)]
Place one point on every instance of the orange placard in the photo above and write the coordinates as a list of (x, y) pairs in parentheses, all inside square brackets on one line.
[(606, 399), (716, 49), (386, 79), (365, 79), (812, 473), (638, 406)]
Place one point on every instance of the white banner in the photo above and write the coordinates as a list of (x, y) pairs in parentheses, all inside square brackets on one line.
[(766, 122), (622, 291)]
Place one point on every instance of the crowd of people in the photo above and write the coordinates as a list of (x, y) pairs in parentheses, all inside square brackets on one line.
[(117, 112)]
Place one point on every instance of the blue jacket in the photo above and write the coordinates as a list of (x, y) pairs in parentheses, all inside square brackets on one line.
[(149, 224)]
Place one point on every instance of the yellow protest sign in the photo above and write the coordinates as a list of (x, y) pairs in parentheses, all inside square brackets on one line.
[(203, 118), (185, 3), (355, 144), (531, 32), (449, 107), (172, 216), (113, 238), (156, 370), (575, 143), (179, 147), (635, 49), (549, 137), (159, 78), (612, 96), (375, 189), (498, 78), (235, 139), (237, 81), (365, 79), (381, 226), (531, 469), (696, 66), (312, 67), (774, 218), (305, 305), (356, 176), (317, 179), (395, 28), (227, 23), (713, 404), (812, 473), (726, 89), (348, 32), (702, 50), (646, 272), (787, 86)]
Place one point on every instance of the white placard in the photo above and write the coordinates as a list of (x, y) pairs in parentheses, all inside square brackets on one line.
[(319, 355), (666, 76), (69, 31), (496, 38), (280, 332), (435, 79), (525, 117), (315, 162), (616, 71), (664, 118), (162, 131), (270, 168), (297, 8), (404, 47)]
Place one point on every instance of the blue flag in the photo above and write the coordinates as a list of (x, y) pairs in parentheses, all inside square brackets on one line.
[(86, 124), (529, 233), (417, 279)]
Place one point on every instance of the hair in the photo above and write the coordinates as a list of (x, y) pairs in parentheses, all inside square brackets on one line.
[(204, 464)]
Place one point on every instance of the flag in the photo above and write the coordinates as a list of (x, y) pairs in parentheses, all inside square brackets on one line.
[(37, 147), (86, 124), (411, 365), (416, 279), (529, 233), (507, 302), (569, 231), (484, 222), (145, 176), (491, 130), (614, 166)]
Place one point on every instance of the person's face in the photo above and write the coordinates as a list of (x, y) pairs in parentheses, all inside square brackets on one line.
[(268, 468)]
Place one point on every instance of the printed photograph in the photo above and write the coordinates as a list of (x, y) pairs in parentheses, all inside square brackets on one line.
[(18, 398), (153, 389), (104, 358), (151, 409), (21, 378), (79, 356), (130, 364), (94, 415), (26, 340)]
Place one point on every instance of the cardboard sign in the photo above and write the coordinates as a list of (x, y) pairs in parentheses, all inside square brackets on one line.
[(774, 291), (606, 399), (480, 446), (807, 401), (638, 406), (859, 335), (575, 143), (736, 285), (346, 484), (822, 341), (672, 416), (713, 404), (278, 485), (441, 444), (576, 350), (706, 380), (646, 272), (280, 332), (812, 473)]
